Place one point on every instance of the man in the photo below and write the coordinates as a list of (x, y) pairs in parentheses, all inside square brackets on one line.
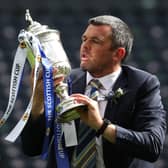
[(134, 135)]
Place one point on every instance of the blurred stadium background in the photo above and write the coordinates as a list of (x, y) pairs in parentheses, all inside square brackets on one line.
[(147, 18)]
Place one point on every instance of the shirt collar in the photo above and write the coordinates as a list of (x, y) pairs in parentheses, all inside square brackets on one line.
[(107, 81)]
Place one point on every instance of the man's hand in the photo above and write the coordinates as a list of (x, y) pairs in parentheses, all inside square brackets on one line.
[(38, 99), (92, 116)]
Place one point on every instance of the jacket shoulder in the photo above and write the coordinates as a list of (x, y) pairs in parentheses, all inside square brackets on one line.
[(135, 74), (76, 73)]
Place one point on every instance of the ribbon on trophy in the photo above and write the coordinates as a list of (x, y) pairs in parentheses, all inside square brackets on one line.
[(43, 49), (23, 37), (17, 70)]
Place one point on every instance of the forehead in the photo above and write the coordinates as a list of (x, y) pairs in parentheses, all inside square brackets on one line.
[(98, 30)]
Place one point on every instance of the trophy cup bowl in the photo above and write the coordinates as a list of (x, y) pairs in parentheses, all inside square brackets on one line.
[(67, 109)]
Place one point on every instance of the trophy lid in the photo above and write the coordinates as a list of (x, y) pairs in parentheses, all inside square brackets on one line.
[(35, 27)]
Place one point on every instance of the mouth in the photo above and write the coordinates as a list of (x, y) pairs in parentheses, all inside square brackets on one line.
[(84, 57)]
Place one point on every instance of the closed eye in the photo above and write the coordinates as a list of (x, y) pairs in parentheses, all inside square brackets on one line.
[(93, 40)]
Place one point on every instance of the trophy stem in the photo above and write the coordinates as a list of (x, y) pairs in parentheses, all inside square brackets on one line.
[(67, 108), (62, 91)]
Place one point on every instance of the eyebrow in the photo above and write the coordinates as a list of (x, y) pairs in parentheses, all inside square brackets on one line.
[(101, 38)]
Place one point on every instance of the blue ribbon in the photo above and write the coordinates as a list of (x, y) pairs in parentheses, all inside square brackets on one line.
[(49, 107), (69, 82), (50, 101), (60, 149)]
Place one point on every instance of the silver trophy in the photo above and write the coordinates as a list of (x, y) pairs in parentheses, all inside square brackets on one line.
[(52, 46)]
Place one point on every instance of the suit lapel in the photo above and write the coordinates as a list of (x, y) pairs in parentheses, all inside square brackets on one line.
[(121, 82), (79, 83), (111, 109)]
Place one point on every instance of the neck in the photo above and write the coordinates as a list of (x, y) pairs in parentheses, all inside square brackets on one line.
[(106, 72)]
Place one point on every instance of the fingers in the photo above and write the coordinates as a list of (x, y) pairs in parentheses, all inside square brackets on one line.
[(80, 98), (40, 75), (91, 116), (55, 70), (58, 80)]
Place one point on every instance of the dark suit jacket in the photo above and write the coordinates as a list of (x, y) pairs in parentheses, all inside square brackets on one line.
[(138, 115)]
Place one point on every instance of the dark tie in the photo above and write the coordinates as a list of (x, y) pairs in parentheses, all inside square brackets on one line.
[(85, 152)]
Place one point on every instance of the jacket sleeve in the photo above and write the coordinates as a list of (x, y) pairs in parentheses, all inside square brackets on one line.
[(146, 139), (32, 136)]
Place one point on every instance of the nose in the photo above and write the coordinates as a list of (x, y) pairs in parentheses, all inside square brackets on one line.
[(85, 44)]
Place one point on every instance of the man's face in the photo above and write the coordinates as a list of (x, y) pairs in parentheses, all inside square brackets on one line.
[(96, 53)]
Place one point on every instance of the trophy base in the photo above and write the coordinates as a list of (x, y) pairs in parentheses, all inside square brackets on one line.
[(68, 109)]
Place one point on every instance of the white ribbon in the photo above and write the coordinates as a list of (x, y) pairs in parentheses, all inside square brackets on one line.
[(70, 134), (16, 74), (16, 131)]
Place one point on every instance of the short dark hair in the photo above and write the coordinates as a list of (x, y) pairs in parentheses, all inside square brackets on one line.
[(121, 33)]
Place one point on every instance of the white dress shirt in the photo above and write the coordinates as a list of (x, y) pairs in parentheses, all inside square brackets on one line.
[(107, 82)]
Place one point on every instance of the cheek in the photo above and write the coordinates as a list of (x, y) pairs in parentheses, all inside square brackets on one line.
[(97, 53), (101, 55)]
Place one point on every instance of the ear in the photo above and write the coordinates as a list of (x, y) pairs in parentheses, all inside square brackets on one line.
[(121, 52)]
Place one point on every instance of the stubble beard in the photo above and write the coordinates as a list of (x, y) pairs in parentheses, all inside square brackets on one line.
[(91, 69)]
